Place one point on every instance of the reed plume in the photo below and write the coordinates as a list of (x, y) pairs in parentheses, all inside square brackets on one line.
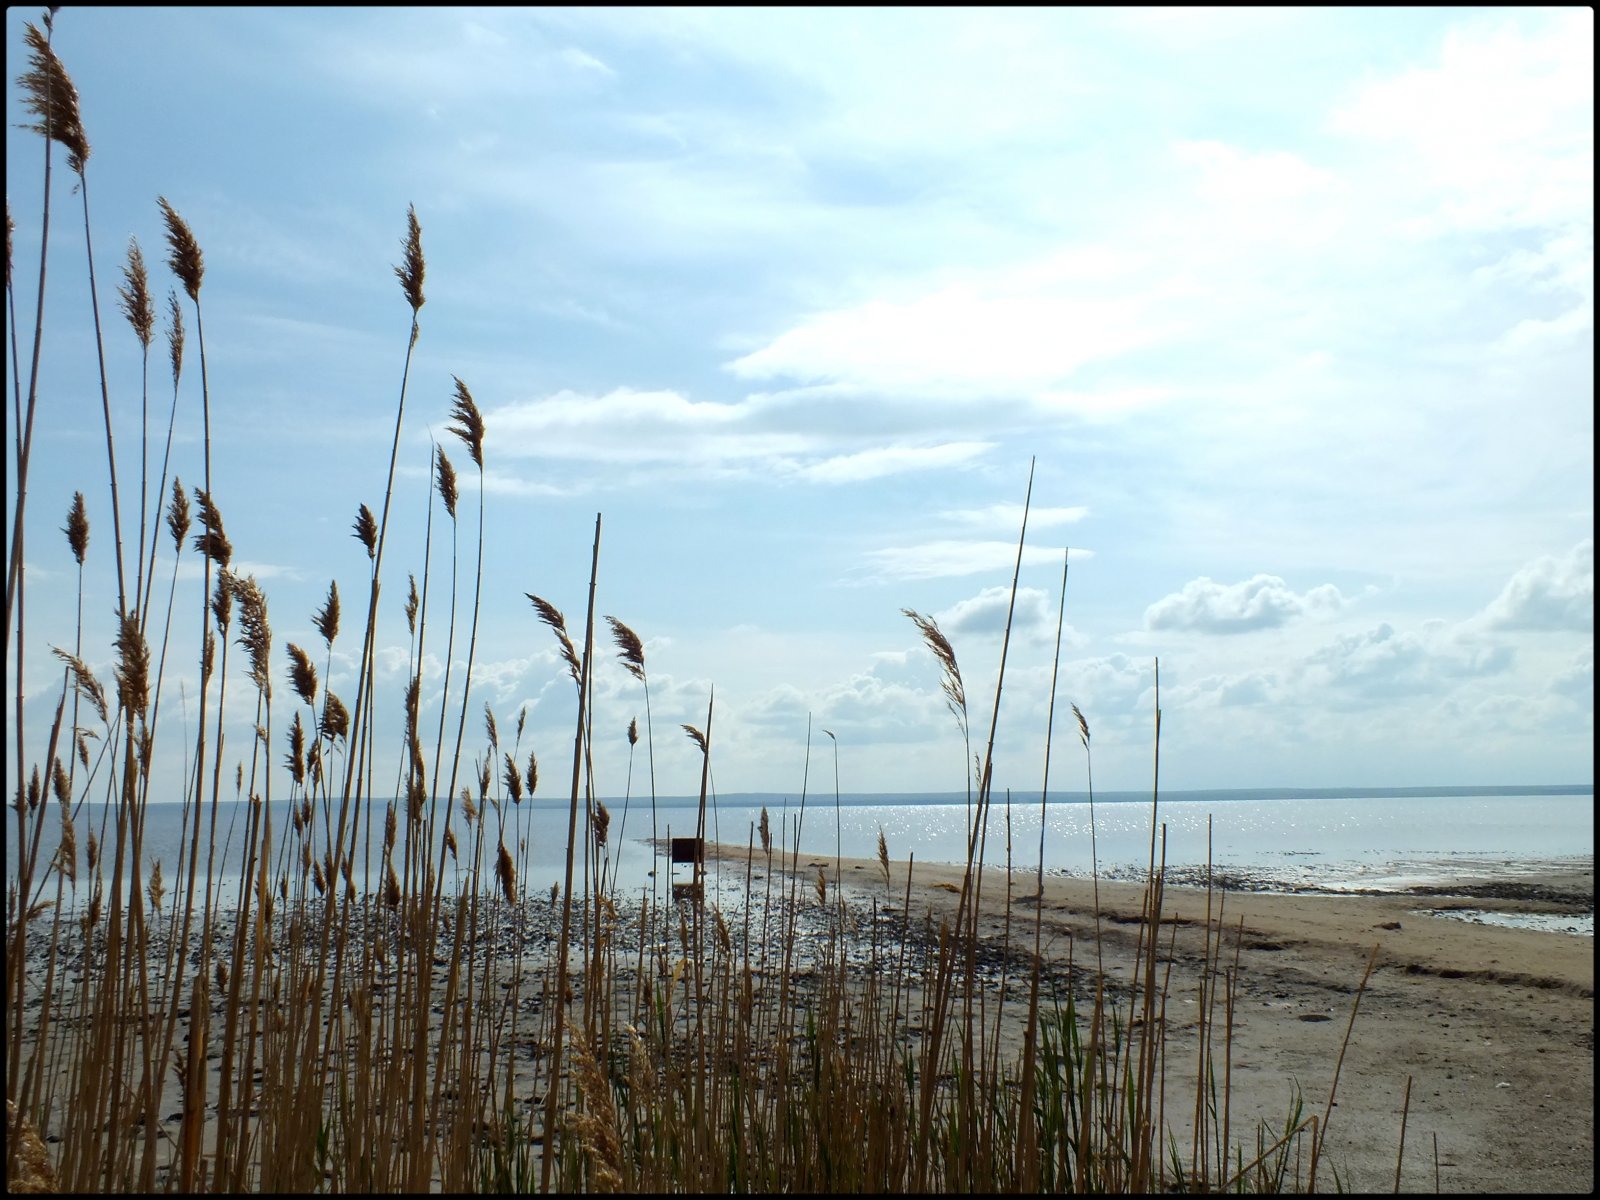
[(629, 649), (77, 528), (67, 851), (175, 337), (412, 601), (295, 760), (303, 675), (447, 481), (366, 530), (506, 872), (184, 255), (255, 633), (531, 776), (490, 728), (633, 732), (51, 96), (133, 667), (335, 717), (326, 618), (551, 616), (954, 691), (695, 736), (411, 271), (211, 540), (765, 830), (470, 427), (134, 294), (178, 515), (513, 779)]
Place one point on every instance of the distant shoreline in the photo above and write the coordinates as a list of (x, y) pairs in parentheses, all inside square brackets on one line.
[(1194, 795)]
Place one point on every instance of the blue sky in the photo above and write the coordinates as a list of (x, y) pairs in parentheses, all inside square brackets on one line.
[(1293, 308)]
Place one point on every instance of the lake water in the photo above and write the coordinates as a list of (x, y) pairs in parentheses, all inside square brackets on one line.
[(1328, 839)]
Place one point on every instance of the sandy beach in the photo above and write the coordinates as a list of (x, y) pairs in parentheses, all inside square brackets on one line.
[(1494, 1026)]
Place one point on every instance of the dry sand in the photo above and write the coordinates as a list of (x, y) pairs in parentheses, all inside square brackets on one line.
[(1494, 1026)]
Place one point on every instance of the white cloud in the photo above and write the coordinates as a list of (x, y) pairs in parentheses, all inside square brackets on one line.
[(986, 612), (982, 336), (1577, 679), (890, 460), (1548, 594), (1383, 663), (1009, 516), (1261, 602), (934, 560), (1502, 124)]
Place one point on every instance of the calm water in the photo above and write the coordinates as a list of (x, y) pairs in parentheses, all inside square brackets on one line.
[(1327, 839)]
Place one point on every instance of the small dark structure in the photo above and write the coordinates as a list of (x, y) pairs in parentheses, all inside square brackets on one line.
[(689, 850)]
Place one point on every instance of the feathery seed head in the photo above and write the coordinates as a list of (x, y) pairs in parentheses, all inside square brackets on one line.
[(77, 528), (133, 667), (470, 428), (531, 777), (303, 675), (335, 716), (447, 481), (513, 778), (184, 252), (326, 618), (602, 823), (629, 648), (175, 336), (633, 732), (59, 782), (765, 830), (411, 606), (178, 515), (295, 760), (1083, 727), (366, 530), (551, 616), (506, 871), (67, 852), (695, 736), (222, 601), (135, 301), (53, 99), (489, 727), (84, 681), (954, 691), (211, 540), (255, 633), (156, 889), (411, 272)]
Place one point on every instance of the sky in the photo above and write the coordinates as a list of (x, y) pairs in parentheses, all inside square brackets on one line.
[(1290, 311)]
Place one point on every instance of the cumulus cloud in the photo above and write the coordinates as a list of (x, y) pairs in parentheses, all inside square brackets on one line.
[(986, 612), (1548, 594), (1384, 663), (1577, 679), (1261, 602)]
